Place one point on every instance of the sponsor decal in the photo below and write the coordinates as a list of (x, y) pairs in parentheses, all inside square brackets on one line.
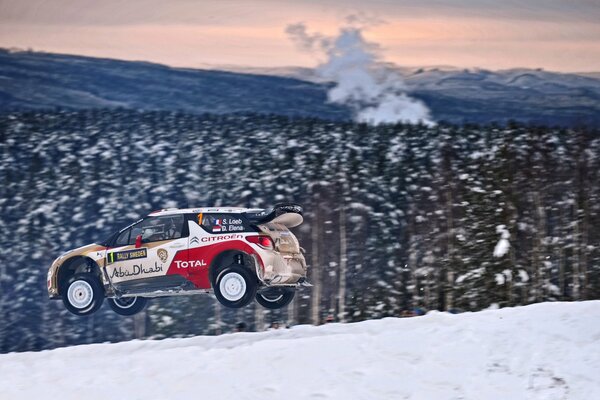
[(136, 270), (219, 238), (207, 252), (126, 255), (190, 264), (232, 221), (194, 240), (228, 225), (233, 225), (233, 228), (162, 254)]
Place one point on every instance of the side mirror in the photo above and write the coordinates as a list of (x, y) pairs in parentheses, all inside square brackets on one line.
[(138, 241)]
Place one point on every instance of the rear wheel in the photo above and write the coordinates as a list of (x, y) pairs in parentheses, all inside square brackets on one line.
[(234, 286), (127, 305), (83, 294), (274, 298)]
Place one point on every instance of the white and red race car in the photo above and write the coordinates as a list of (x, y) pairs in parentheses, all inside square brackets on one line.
[(236, 253)]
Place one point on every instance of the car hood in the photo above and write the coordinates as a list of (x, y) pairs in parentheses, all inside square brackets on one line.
[(83, 250)]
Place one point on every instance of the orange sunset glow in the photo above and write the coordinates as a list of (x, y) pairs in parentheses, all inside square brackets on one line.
[(494, 35)]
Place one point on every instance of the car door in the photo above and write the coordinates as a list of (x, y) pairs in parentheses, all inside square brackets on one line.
[(144, 251)]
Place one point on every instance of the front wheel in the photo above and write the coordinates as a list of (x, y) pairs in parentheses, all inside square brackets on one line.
[(83, 294), (234, 286), (127, 305), (275, 298)]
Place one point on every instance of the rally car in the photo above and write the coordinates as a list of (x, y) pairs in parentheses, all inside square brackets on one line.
[(238, 254)]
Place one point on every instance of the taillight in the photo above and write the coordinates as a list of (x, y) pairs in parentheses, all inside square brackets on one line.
[(261, 240)]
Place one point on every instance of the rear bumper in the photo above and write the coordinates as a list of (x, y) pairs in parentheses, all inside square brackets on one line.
[(281, 269)]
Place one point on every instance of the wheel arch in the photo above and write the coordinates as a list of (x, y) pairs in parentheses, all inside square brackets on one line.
[(228, 257), (73, 265)]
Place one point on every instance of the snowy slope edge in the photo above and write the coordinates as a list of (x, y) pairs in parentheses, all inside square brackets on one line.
[(547, 350)]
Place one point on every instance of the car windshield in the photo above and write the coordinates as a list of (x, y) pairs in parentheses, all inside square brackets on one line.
[(106, 242)]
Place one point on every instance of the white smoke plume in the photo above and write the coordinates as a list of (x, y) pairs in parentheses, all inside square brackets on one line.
[(375, 93)]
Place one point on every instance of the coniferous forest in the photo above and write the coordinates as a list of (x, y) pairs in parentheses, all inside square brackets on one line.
[(398, 218)]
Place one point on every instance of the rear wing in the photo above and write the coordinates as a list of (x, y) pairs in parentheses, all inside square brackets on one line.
[(287, 214)]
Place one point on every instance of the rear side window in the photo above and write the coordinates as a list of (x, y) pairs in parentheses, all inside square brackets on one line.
[(224, 223)]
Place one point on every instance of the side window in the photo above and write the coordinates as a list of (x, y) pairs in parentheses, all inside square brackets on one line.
[(223, 223), (153, 229), (211, 222), (123, 238)]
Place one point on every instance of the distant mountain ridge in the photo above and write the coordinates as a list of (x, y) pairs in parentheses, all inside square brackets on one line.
[(36, 80), (33, 80), (480, 95)]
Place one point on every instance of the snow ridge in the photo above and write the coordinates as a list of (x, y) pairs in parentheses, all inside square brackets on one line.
[(542, 351)]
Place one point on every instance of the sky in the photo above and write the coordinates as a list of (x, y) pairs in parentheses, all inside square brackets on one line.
[(499, 34)]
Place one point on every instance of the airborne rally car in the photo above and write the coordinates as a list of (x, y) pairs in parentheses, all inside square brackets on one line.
[(236, 253)]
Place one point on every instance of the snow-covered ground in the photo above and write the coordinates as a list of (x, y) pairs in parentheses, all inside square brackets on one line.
[(543, 351)]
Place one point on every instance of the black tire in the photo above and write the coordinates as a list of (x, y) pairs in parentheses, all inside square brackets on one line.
[(83, 294), (127, 305), (234, 286), (275, 298)]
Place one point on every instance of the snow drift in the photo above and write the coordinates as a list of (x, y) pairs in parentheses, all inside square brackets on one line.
[(543, 351)]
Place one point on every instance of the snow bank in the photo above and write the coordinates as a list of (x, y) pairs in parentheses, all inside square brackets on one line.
[(543, 351)]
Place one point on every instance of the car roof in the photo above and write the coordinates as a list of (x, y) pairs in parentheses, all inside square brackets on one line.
[(232, 210)]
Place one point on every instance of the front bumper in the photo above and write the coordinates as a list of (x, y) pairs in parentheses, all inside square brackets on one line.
[(52, 281)]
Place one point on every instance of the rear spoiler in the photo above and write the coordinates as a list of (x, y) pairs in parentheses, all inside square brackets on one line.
[(287, 214)]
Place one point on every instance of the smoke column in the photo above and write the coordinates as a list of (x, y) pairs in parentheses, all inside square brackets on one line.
[(376, 94)]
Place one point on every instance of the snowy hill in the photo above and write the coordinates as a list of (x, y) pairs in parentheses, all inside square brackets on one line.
[(478, 95), (32, 80), (543, 351)]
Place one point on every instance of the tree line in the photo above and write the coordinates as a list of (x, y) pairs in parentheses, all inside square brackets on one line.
[(398, 218)]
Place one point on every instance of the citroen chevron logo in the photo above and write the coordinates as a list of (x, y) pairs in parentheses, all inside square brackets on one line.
[(195, 240)]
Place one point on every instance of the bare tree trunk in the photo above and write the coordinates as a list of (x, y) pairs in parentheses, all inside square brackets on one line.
[(511, 282), (427, 300), (411, 283), (538, 248), (90, 329), (582, 215), (292, 311), (584, 251), (139, 324), (343, 266), (259, 317), (218, 321), (412, 262), (449, 294), (576, 259), (2, 296), (561, 257), (315, 269)]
